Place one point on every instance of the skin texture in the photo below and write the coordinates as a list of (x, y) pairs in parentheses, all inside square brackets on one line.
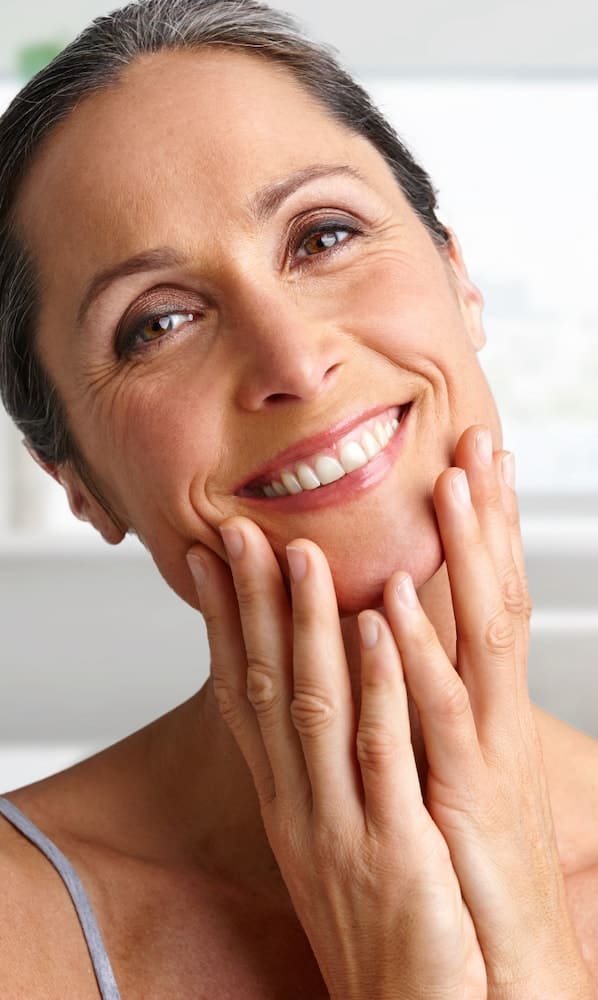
[(390, 320), (282, 347)]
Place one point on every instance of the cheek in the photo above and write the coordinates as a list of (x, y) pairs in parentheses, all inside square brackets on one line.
[(402, 309), (164, 454), (412, 317), (157, 445)]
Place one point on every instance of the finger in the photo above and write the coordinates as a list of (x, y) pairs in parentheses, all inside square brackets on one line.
[(228, 665), (487, 653), (474, 453), (266, 627), (393, 800), (441, 697), (505, 465), (322, 708)]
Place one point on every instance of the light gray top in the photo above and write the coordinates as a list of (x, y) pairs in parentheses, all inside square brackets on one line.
[(97, 950)]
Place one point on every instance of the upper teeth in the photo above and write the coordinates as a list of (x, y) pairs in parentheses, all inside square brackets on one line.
[(348, 454)]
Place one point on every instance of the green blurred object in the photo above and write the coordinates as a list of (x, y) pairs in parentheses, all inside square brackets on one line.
[(32, 58)]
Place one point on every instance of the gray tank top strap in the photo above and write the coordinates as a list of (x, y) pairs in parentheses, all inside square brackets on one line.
[(101, 963)]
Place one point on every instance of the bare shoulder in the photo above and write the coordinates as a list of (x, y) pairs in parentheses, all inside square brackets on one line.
[(168, 930), (571, 763), (40, 952)]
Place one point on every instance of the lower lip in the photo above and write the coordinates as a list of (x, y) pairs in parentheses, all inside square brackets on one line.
[(352, 486)]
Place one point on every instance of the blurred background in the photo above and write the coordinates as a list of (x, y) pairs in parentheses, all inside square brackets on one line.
[(500, 102)]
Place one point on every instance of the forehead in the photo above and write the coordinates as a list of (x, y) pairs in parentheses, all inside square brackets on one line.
[(181, 138)]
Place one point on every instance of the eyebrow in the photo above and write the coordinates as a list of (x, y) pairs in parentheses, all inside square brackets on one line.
[(267, 199), (262, 205), (149, 260)]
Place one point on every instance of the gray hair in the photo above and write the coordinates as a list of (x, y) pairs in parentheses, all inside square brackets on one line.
[(94, 61)]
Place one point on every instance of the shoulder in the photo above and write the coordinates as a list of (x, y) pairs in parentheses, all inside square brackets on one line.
[(40, 953)]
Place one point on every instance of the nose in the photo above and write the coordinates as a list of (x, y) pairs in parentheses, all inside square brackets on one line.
[(285, 352)]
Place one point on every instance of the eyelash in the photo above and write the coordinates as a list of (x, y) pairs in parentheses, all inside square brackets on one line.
[(127, 343)]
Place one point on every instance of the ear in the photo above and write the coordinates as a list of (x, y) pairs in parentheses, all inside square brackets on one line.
[(470, 297), (83, 503)]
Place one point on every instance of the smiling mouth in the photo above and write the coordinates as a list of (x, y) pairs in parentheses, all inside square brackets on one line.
[(352, 451)]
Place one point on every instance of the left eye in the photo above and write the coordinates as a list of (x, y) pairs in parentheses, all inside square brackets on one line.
[(323, 239)]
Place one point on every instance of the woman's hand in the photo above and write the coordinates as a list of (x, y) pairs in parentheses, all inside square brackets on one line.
[(368, 872), (486, 788), (386, 885)]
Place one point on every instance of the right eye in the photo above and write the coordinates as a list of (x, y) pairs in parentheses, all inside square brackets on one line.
[(151, 330)]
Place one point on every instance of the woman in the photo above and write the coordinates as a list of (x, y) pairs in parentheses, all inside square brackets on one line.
[(233, 325)]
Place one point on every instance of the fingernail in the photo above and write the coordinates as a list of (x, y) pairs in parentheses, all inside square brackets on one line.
[(297, 563), (369, 630), (199, 570), (483, 444), (406, 592), (508, 469), (461, 489), (233, 542)]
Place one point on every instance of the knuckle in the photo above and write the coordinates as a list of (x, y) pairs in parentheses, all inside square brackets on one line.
[(312, 712), (262, 692), (493, 503), (499, 636), (265, 788), (513, 593), (310, 616), (248, 592), (452, 698), (376, 747), (230, 703), (216, 628), (528, 606)]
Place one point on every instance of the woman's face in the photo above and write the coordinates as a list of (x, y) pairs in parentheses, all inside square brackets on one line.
[(299, 297)]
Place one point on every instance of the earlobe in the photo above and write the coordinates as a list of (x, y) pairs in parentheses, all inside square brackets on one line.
[(470, 297), (84, 505)]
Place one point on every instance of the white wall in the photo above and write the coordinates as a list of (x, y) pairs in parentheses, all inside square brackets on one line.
[(383, 35)]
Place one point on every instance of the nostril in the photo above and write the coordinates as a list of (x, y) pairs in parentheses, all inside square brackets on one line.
[(280, 397), (287, 397)]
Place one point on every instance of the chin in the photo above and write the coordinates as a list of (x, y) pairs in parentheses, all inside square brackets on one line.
[(360, 571)]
